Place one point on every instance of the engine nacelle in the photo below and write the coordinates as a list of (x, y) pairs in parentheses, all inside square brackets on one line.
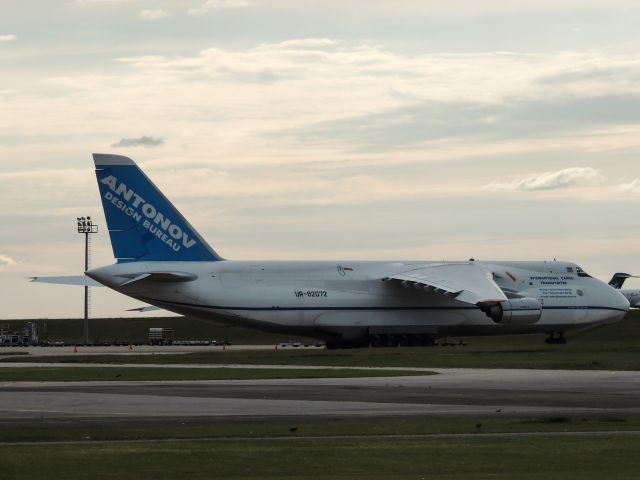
[(515, 311)]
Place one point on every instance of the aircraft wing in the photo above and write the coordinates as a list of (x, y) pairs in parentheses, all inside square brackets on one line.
[(467, 282), (68, 280)]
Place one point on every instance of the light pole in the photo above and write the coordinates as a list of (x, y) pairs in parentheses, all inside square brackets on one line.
[(86, 226)]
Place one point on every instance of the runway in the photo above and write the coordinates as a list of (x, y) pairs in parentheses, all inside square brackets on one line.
[(481, 392)]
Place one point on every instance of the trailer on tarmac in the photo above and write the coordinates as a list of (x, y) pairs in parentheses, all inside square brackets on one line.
[(161, 336)]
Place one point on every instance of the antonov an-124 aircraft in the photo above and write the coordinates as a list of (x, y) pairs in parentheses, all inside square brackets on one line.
[(163, 261)]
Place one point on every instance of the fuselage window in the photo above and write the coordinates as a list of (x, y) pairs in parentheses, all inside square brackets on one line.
[(582, 273)]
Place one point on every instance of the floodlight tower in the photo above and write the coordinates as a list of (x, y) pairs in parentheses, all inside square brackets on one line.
[(86, 226)]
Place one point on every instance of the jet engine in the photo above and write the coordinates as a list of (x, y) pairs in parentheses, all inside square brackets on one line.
[(515, 311)]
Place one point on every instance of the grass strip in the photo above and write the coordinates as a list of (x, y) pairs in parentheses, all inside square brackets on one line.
[(529, 458), (604, 357), (215, 428)]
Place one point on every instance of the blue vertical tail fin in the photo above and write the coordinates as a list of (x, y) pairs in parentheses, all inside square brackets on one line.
[(143, 224)]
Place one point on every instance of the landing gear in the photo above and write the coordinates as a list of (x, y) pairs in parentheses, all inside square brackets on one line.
[(400, 340), (553, 340)]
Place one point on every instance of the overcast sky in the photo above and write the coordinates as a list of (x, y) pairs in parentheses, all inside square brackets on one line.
[(358, 129)]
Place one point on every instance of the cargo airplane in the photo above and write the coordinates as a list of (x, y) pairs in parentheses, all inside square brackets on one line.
[(163, 261)]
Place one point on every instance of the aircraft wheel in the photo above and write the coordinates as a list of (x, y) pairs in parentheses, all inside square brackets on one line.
[(553, 340)]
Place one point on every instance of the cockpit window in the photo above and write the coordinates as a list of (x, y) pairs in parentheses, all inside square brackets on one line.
[(582, 273)]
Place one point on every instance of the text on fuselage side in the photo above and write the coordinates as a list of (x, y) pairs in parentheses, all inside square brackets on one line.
[(557, 293), (552, 280), (310, 293), (146, 214)]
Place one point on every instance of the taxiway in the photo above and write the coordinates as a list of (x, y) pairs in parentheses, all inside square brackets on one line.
[(451, 392)]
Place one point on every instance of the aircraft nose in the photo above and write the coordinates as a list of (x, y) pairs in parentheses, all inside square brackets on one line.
[(622, 301), (617, 300)]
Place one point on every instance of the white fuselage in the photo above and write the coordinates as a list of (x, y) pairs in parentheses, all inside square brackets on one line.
[(349, 301)]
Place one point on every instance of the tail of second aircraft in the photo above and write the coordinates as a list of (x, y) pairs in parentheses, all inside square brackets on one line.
[(142, 222), (618, 279)]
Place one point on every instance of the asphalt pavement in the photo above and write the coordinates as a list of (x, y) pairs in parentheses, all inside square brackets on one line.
[(453, 392)]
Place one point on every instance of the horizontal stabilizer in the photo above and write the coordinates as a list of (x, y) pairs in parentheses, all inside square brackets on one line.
[(81, 280), (160, 277), (467, 282), (148, 308), (137, 278)]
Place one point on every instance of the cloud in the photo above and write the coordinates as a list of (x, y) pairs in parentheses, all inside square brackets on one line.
[(302, 100), (6, 261), (211, 5), (143, 141), (390, 100), (308, 42), (83, 3), (7, 38), (151, 15), (631, 187), (430, 120), (489, 7), (249, 189), (568, 177)]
